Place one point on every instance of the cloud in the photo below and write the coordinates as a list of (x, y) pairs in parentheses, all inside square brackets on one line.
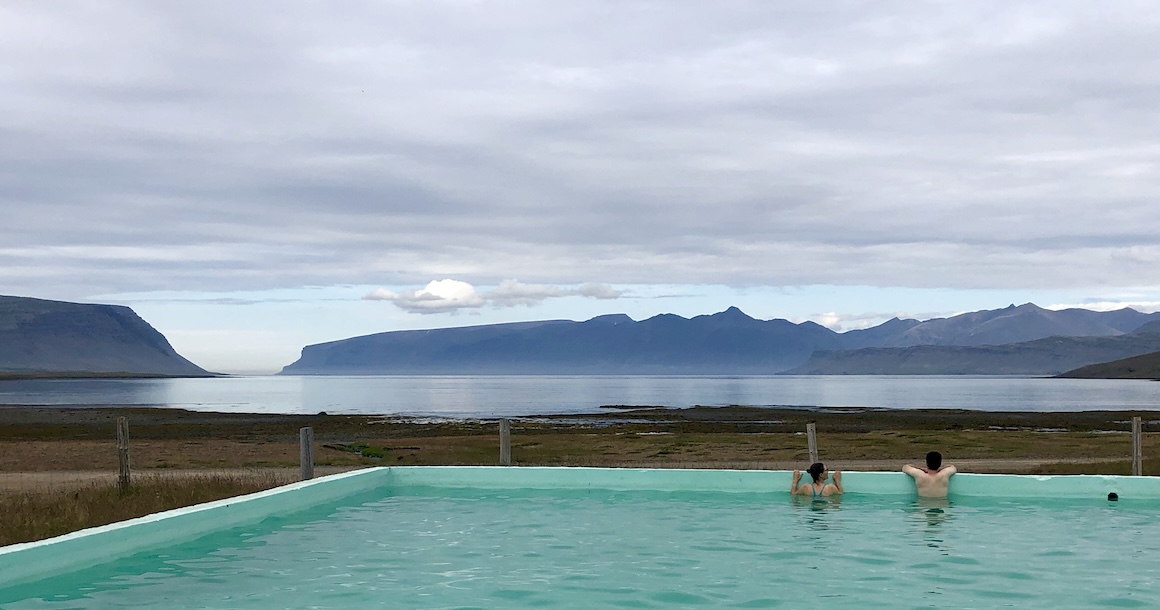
[(510, 293), (599, 291), (442, 296), (439, 296), (988, 145)]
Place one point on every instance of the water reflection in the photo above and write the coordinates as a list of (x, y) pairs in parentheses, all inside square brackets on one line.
[(813, 510), (933, 514)]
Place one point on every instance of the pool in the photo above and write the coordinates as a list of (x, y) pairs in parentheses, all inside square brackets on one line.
[(726, 540)]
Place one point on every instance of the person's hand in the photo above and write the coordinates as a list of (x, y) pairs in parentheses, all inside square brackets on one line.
[(797, 476), (838, 477)]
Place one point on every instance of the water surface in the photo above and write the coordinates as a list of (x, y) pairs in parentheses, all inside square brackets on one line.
[(514, 396), (440, 548)]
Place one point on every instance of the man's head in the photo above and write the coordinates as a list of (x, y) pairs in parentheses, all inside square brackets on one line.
[(933, 460)]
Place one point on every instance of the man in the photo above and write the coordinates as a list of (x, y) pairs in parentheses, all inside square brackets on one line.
[(932, 481)]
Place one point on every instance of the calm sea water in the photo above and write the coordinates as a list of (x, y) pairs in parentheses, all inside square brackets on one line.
[(515, 396)]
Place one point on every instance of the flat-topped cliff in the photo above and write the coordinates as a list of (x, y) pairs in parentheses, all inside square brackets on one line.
[(41, 338)]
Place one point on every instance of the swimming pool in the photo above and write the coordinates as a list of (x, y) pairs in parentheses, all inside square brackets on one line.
[(415, 545)]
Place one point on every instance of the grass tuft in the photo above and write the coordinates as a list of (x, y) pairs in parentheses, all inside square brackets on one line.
[(36, 515)]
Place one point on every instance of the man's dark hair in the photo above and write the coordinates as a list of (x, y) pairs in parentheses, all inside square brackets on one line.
[(933, 460), (816, 469)]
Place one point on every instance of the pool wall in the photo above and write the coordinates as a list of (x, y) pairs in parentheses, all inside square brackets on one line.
[(20, 563)]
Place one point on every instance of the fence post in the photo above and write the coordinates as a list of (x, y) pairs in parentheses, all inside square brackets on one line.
[(812, 437), (505, 443), (306, 453), (1137, 446), (123, 453)]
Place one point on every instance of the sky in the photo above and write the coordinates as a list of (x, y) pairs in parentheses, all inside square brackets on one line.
[(254, 177)]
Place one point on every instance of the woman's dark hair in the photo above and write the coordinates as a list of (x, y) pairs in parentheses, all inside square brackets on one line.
[(816, 469)]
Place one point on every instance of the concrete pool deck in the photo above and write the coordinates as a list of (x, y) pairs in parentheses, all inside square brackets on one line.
[(27, 562)]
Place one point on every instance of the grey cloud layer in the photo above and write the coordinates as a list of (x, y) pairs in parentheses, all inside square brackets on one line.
[(216, 146)]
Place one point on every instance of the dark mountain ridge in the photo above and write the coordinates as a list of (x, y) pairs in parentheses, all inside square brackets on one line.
[(729, 342), (39, 337)]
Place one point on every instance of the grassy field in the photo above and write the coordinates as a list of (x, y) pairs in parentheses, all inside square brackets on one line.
[(37, 514)]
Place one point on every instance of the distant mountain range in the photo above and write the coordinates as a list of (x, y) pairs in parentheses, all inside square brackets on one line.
[(41, 338), (1025, 340), (1049, 356)]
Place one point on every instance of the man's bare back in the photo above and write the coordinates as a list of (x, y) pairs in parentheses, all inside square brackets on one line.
[(931, 484), (934, 480)]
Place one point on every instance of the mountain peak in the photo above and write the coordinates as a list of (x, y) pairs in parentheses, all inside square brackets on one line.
[(733, 313), (730, 317)]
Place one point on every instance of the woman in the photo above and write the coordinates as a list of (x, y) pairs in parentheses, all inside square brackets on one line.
[(819, 488)]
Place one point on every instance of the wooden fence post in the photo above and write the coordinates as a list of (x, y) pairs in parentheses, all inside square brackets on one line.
[(1137, 447), (505, 443), (812, 438), (306, 453), (123, 453)]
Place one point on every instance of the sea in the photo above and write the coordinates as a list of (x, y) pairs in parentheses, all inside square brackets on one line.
[(490, 397)]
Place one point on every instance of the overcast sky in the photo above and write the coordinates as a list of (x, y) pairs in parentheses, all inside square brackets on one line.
[(251, 177)]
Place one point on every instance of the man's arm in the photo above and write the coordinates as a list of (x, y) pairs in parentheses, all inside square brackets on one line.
[(947, 471), (913, 471)]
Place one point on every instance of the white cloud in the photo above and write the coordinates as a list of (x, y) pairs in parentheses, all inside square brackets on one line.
[(438, 296), (449, 295)]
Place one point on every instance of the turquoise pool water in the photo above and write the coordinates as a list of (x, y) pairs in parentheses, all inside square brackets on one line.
[(421, 547)]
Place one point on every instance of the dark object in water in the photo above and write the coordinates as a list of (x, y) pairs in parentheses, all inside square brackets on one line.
[(1112, 497)]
